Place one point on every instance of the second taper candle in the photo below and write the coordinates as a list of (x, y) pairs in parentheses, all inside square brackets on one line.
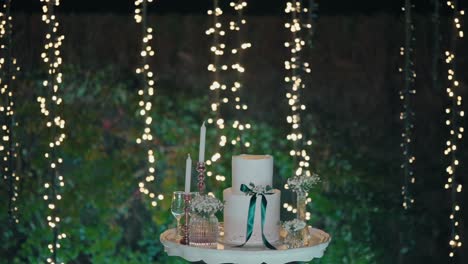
[(201, 153), (188, 173)]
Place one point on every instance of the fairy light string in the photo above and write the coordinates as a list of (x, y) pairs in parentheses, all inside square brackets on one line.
[(226, 93), (146, 94), (217, 49), (50, 108), (239, 106), (455, 115), (8, 144), (296, 69), (407, 114)]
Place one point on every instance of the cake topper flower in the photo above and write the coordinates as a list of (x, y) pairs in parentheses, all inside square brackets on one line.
[(259, 189), (302, 184), (294, 225), (205, 205)]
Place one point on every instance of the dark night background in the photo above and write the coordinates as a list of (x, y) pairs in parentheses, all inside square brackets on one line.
[(352, 116), (258, 7)]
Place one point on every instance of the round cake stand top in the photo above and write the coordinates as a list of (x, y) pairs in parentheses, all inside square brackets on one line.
[(319, 241)]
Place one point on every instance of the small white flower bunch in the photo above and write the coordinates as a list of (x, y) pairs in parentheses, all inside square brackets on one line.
[(294, 225), (259, 189), (205, 205), (302, 184)]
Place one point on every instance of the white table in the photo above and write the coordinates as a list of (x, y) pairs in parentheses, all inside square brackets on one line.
[(318, 242)]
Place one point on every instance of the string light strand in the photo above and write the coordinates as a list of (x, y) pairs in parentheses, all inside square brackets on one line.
[(455, 115), (224, 99), (146, 94), (296, 68), (50, 108), (407, 114), (8, 144), (239, 106), (218, 50)]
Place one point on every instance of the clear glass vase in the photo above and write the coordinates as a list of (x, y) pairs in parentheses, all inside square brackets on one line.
[(301, 215), (203, 230), (294, 239), (301, 206)]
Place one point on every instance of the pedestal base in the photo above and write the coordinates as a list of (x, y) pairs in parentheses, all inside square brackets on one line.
[(318, 242)]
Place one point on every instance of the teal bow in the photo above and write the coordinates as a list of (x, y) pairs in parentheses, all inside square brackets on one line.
[(251, 215)]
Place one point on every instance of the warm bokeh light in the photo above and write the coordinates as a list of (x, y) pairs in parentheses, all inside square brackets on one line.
[(226, 94), (51, 109), (407, 114), (146, 93), (8, 125), (296, 68), (455, 116)]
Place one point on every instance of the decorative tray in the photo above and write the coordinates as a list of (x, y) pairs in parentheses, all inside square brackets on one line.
[(318, 242)]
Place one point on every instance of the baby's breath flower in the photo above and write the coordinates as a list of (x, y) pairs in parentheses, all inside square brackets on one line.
[(294, 225), (205, 205), (303, 183)]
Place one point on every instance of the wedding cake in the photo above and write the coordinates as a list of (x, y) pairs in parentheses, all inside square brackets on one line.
[(247, 170)]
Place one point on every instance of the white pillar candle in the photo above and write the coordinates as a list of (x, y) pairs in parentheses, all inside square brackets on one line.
[(201, 153), (188, 173)]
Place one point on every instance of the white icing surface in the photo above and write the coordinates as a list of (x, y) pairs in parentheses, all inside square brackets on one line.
[(235, 218), (257, 169)]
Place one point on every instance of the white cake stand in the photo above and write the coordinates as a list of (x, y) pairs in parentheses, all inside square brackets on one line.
[(318, 242)]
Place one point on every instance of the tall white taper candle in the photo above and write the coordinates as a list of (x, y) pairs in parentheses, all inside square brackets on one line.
[(201, 153), (188, 173)]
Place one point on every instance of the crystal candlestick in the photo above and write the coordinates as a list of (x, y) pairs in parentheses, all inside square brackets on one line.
[(185, 228), (201, 177)]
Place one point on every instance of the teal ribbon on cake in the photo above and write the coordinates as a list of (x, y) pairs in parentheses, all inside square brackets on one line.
[(252, 206)]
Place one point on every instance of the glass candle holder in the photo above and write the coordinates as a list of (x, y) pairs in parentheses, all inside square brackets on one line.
[(295, 239), (301, 215), (203, 230), (301, 206)]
